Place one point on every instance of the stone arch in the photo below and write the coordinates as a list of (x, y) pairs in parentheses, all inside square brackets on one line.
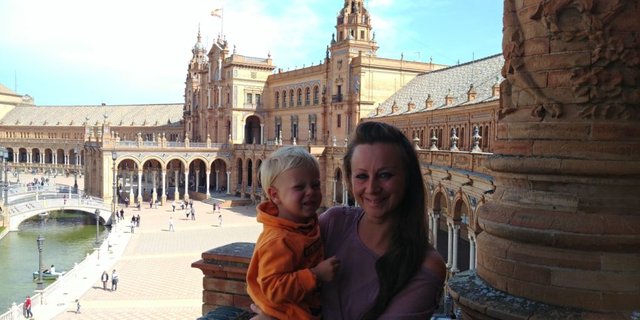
[(461, 216), (218, 180)]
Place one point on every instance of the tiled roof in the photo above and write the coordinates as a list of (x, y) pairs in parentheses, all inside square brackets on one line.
[(455, 81), (117, 115)]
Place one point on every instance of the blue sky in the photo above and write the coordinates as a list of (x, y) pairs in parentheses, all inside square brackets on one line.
[(75, 52)]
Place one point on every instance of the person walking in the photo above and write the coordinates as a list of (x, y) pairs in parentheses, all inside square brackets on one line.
[(138, 220), (219, 220), (193, 213), (173, 206), (77, 306), (104, 278), (27, 308), (114, 280), (171, 224)]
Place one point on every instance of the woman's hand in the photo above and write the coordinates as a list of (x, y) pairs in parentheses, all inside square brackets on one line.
[(259, 314)]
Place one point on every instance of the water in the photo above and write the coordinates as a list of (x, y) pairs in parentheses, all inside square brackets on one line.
[(69, 236)]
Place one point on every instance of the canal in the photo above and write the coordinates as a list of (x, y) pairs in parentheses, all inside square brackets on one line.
[(69, 236)]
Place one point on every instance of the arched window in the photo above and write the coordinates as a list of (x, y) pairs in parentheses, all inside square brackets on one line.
[(299, 102), (307, 96), (291, 98), (284, 99), (316, 92), (277, 99)]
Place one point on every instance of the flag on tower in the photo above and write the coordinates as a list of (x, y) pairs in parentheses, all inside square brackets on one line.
[(217, 13)]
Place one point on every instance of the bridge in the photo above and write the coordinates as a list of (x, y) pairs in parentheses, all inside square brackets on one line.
[(24, 202)]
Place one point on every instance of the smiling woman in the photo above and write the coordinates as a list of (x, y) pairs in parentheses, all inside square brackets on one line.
[(388, 269)]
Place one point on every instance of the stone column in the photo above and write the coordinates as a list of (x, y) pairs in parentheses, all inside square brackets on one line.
[(334, 196), (563, 224), (208, 184), (472, 250), (154, 194), (176, 192), (163, 198), (436, 228), (217, 180), (186, 185), (262, 133), (228, 182), (449, 244), (197, 178), (131, 198), (140, 172), (454, 251)]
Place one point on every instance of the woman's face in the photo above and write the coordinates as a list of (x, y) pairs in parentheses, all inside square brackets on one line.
[(378, 178)]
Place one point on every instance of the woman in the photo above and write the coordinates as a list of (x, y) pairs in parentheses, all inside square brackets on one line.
[(388, 269)]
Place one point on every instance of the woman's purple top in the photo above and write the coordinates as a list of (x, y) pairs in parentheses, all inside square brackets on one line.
[(354, 289)]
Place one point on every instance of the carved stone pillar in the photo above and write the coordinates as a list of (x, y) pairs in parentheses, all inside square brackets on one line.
[(563, 224), (206, 190), (163, 197)]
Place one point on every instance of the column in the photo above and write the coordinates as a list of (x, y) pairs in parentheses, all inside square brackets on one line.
[(472, 250), (262, 133), (334, 197), (449, 244), (154, 194), (565, 218), (436, 228), (207, 196), (163, 198), (131, 197), (176, 192), (454, 265), (186, 185), (217, 180), (197, 179), (139, 199), (228, 182)]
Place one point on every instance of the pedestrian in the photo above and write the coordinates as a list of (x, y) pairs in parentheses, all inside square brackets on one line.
[(77, 306), (114, 280), (171, 224), (27, 308), (186, 211), (121, 214), (220, 221), (193, 214), (173, 206), (151, 204), (139, 206), (104, 278), (138, 220)]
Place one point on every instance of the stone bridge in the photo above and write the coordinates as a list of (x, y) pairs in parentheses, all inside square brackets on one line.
[(24, 205)]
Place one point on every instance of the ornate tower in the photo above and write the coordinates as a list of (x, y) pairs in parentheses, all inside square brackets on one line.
[(197, 65)]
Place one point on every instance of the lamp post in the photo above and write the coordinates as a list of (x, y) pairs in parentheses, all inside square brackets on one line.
[(97, 227), (40, 241), (75, 174), (114, 156), (5, 185)]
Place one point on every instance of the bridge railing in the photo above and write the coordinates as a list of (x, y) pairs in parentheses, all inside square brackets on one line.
[(56, 200)]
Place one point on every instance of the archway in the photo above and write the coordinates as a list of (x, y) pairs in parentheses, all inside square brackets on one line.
[(252, 130)]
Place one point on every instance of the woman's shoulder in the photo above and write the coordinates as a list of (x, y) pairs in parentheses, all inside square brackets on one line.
[(435, 264)]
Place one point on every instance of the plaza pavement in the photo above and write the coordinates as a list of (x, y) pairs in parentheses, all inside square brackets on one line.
[(153, 264)]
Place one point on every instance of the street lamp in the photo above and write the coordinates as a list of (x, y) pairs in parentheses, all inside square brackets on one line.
[(97, 227), (114, 156), (4, 154), (40, 241)]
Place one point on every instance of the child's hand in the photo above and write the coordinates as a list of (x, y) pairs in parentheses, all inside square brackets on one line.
[(326, 270)]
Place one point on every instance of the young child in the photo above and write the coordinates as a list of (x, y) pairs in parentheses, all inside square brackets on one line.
[(287, 266)]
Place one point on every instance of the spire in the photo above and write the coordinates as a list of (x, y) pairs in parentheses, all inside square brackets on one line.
[(353, 29)]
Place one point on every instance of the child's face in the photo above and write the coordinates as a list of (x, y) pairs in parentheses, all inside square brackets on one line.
[(297, 194)]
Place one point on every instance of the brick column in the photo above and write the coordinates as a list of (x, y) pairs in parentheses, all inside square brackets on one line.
[(563, 226), (225, 271)]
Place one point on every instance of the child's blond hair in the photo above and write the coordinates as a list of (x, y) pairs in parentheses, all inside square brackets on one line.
[(283, 159)]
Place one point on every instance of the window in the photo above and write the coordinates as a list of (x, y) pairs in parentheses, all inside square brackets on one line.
[(339, 121), (316, 91), (277, 99), (284, 99), (299, 102), (258, 98), (291, 98), (307, 96), (361, 34), (249, 98)]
